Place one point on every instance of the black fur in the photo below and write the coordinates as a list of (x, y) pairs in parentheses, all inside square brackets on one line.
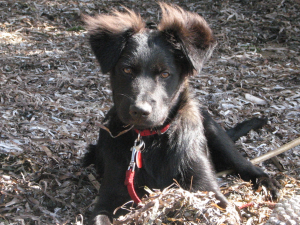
[(149, 68), (243, 128)]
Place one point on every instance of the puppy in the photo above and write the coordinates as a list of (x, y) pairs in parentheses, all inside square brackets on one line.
[(174, 137)]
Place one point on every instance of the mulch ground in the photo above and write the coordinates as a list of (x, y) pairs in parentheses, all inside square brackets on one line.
[(52, 95)]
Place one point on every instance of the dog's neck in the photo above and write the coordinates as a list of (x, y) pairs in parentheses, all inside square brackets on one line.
[(149, 132)]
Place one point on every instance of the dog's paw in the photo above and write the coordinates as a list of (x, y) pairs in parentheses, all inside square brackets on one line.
[(272, 185), (101, 220)]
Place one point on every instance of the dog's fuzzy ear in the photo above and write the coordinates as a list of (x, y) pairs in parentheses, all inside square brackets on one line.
[(109, 34), (190, 31)]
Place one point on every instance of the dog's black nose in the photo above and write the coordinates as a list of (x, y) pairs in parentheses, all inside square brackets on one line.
[(140, 110)]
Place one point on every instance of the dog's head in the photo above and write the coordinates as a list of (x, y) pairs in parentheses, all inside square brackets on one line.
[(149, 65)]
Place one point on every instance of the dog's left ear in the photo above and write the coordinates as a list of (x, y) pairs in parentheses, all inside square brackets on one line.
[(188, 30), (109, 34)]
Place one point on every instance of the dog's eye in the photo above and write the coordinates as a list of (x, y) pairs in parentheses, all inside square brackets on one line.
[(164, 74), (127, 70)]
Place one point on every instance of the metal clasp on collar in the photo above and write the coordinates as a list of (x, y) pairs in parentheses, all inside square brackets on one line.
[(139, 145)]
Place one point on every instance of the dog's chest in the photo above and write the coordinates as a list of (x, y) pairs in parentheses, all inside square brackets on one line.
[(159, 167)]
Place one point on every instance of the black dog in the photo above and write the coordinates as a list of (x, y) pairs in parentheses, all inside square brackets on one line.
[(149, 70)]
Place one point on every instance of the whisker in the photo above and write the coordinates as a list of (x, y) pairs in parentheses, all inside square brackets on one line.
[(125, 96)]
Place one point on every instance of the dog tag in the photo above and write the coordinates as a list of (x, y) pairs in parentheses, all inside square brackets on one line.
[(138, 159)]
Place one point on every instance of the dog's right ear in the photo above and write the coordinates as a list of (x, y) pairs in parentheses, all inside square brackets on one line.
[(109, 34), (189, 31)]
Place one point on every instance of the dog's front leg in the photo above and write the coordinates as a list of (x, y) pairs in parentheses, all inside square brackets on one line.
[(200, 176), (109, 199), (225, 156), (112, 194)]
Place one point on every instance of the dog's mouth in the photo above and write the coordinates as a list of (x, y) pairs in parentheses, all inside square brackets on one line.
[(148, 124)]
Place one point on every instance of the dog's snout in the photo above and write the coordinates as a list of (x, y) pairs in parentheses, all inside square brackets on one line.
[(140, 110)]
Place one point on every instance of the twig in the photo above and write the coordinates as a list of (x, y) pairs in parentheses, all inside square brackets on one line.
[(276, 152), (105, 128), (268, 155)]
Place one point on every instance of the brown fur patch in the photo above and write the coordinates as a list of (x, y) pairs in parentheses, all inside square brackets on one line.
[(118, 22), (190, 107), (190, 27)]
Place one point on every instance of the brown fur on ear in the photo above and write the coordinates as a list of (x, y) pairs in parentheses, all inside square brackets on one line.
[(117, 22), (109, 34), (191, 30)]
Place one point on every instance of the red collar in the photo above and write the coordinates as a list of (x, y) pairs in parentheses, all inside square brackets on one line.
[(144, 133)]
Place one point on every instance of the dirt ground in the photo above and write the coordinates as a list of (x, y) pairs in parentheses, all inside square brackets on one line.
[(52, 95)]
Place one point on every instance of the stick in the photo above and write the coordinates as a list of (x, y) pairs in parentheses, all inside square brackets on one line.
[(268, 155), (278, 151)]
